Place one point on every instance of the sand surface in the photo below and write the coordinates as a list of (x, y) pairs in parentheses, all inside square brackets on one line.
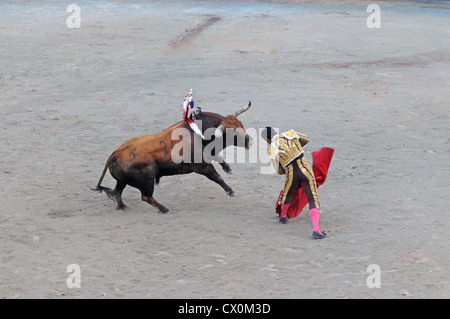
[(379, 97)]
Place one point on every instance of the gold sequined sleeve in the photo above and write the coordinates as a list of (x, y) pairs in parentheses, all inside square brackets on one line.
[(278, 168), (303, 138)]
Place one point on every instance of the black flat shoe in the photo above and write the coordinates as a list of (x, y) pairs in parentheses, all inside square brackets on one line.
[(284, 220), (318, 235)]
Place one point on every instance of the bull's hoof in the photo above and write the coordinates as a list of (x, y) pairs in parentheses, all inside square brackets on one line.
[(231, 194), (164, 210), (228, 170)]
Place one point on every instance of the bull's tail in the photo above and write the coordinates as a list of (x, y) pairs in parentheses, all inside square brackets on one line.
[(110, 192)]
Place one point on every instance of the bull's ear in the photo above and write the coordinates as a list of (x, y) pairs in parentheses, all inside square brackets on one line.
[(219, 131)]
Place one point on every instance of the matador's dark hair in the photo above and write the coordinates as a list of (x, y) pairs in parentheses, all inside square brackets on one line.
[(268, 133)]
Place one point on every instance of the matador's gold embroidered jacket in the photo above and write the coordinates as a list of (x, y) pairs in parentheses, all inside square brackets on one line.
[(285, 148)]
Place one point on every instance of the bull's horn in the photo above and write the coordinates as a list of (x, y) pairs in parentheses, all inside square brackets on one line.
[(219, 131), (243, 109)]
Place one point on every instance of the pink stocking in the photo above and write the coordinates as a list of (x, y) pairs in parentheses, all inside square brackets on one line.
[(314, 212), (284, 209)]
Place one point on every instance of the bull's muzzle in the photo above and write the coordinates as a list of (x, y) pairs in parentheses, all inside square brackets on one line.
[(248, 142)]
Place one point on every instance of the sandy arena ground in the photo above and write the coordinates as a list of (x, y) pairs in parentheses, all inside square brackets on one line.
[(378, 96)]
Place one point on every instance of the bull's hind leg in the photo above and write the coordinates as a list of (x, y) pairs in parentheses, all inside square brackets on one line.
[(147, 196), (118, 194)]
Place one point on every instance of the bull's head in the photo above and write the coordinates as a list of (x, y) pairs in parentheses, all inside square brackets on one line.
[(230, 124)]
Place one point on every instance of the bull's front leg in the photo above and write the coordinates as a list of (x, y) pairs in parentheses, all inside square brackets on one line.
[(226, 168), (210, 172)]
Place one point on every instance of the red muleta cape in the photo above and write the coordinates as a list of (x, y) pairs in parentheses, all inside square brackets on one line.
[(321, 162)]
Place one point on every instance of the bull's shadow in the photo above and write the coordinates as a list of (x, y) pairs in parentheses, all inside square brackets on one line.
[(141, 161)]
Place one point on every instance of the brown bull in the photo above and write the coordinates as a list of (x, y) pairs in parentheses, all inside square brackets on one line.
[(141, 161)]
